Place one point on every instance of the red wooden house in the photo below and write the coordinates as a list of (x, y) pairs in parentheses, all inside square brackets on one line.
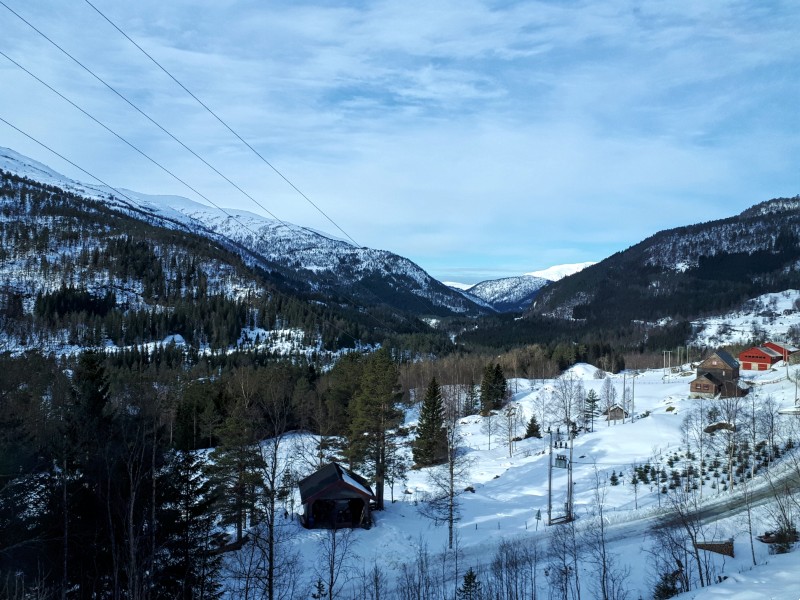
[(758, 358)]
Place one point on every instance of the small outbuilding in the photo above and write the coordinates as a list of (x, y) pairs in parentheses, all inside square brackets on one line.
[(334, 497), (615, 413)]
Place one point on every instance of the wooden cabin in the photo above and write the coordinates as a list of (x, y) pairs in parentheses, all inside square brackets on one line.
[(334, 497)]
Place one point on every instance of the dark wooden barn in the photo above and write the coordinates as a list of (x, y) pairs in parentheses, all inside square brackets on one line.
[(334, 497), (717, 375)]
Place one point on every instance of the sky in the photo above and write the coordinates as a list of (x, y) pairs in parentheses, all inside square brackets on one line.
[(480, 139)]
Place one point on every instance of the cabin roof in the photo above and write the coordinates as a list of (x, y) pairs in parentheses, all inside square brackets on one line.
[(727, 358), (333, 478)]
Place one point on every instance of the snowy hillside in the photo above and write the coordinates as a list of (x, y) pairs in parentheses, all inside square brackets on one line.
[(509, 293), (363, 274), (685, 272), (768, 317), (558, 272), (506, 501)]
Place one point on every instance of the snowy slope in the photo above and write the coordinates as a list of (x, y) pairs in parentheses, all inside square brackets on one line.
[(768, 317), (509, 293), (557, 272), (330, 264), (510, 487)]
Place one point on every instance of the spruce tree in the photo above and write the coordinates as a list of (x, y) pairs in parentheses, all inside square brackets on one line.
[(471, 404), (487, 390), (374, 412), (494, 389), (592, 400), (186, 565), (471, 588), (236, 469), (430, 447), (533, 429), (499, 387)]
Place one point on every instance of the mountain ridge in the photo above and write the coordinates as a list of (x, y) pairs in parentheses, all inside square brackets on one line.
[(328, 264)]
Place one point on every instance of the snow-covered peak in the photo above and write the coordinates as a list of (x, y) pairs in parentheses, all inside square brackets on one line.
[(557, 272)]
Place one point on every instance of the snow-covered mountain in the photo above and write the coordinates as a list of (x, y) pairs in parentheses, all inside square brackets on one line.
[(510, 293), (327, 265), (558, 272), (686, 272)]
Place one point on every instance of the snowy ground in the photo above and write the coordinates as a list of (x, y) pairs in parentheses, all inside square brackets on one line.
[(769, 315), (510, 490)]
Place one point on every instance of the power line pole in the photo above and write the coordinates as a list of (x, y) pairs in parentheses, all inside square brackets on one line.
[(550, 480), (569, 477)]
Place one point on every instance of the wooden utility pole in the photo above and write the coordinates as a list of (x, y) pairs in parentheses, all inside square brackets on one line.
[(550, 480)]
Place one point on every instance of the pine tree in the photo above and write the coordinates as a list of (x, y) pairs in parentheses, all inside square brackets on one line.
[(499, 387), (471, 588), (487, 397), (236, 469), (592, 401), (614, 480), (430, 446), (374, 412), (533, 430)]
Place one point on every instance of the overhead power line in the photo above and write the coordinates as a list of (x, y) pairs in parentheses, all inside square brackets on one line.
[(126, 142), (164, 130), (122, 194), (141, 112), (223, 123)]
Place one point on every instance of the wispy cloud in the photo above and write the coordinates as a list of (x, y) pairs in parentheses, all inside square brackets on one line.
[(465, 135)]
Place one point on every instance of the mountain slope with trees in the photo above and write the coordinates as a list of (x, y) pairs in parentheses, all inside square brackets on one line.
[(77, 272), (307, 260), (685, 272)]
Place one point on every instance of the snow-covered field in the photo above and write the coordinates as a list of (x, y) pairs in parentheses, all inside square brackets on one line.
[(509, 491)]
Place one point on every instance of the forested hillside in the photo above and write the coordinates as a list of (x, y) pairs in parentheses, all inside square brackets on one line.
[(76, 273), (686, 272)]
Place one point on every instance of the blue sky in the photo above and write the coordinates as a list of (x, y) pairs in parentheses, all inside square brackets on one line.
[(479, 139)]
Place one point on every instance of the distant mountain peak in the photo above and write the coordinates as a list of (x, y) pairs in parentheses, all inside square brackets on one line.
[(560, 271)]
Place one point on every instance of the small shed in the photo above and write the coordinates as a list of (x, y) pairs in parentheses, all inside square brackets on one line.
[(615, 413), (759, 358), (334, 497)]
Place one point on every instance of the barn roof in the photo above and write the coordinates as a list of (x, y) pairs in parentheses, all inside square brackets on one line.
[(782, 348), (333, 478), (764, 350)]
